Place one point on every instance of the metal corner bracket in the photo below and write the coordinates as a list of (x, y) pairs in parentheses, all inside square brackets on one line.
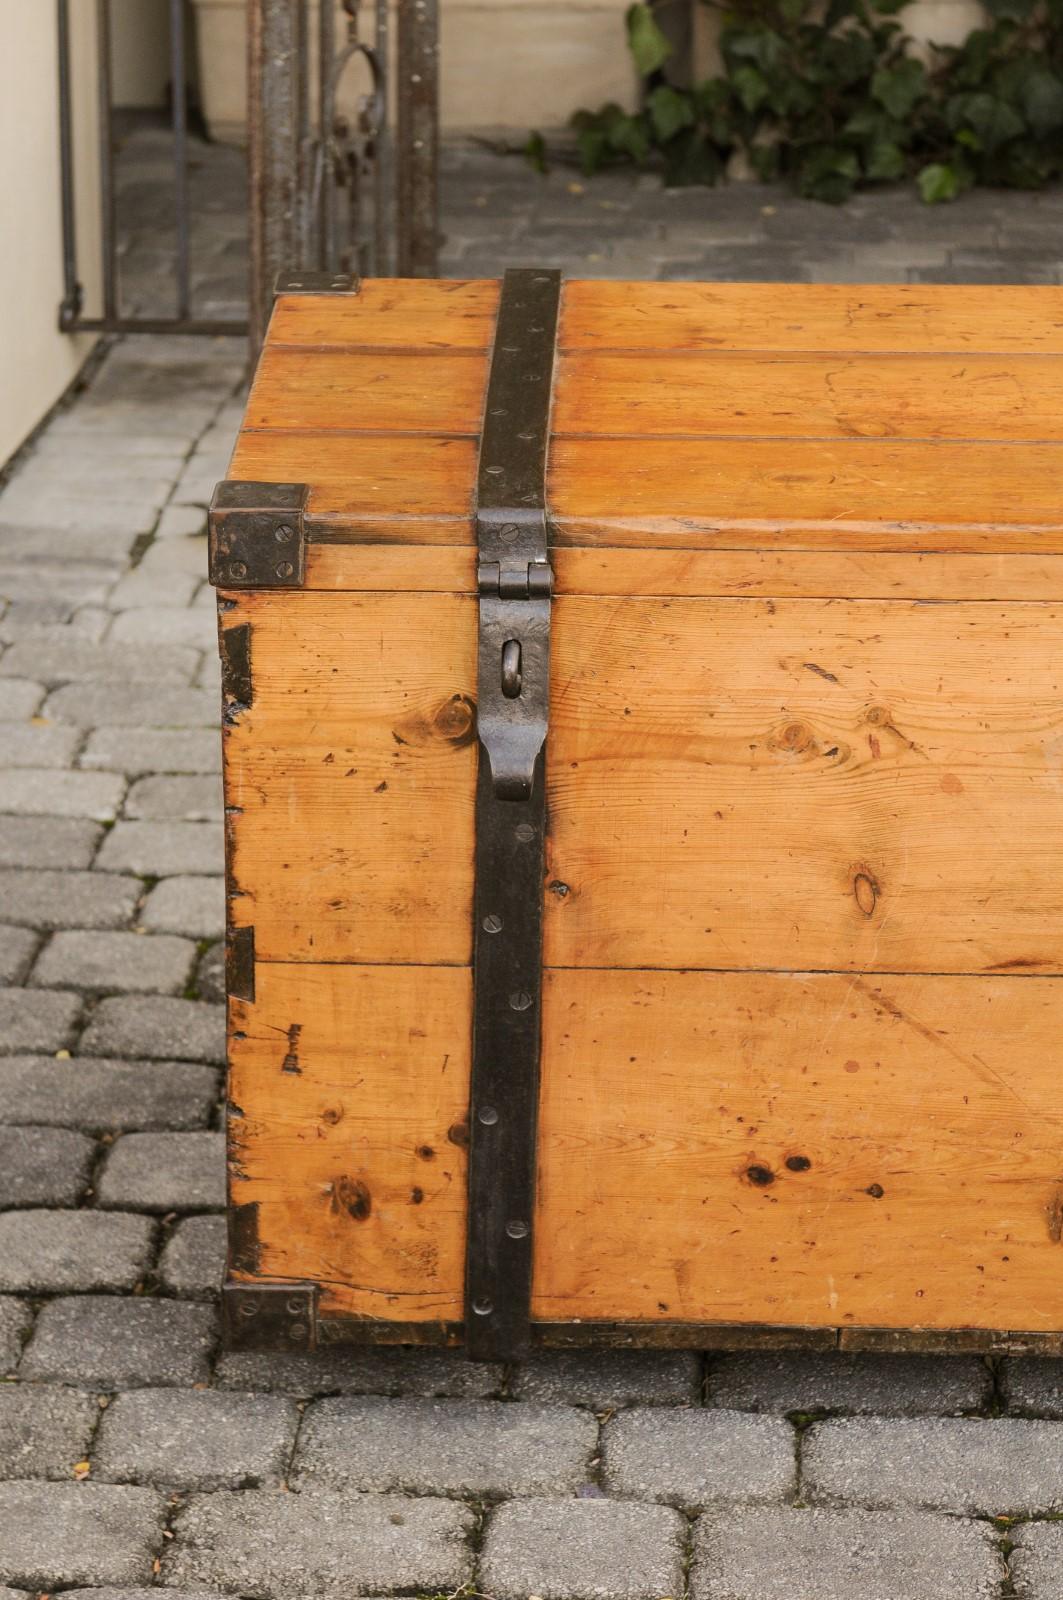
[(317, 283), (257, 535), (269, 1316)]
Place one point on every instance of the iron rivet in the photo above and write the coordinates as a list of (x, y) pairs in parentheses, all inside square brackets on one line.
[(517, 1230), (297, 1333), (285, 570), (237, 569), (295, 1307), (492, 924), (509, 532), (487, 1115), (483, 1306), (520, 1000), (524, 832), (283, 533), (248, 1308), (494, 471)]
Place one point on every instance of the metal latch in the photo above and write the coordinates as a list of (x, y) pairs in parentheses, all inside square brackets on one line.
[(514, 671)]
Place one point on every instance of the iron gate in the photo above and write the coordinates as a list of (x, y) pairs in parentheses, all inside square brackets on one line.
[(342, 146)]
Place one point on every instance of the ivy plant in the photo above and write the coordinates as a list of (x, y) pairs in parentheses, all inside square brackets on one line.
[(831, 97)]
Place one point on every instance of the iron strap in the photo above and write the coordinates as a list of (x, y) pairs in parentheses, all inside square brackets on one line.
[(515, 583)]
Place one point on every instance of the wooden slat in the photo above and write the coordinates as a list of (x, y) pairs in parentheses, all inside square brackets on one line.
[(927, 1111), (352, 1089), (392, 313), (798, 396), (836, 785), (369, 391), (816, 317)]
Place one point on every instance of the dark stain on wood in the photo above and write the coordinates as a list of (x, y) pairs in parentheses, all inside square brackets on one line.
[(760, 1176), (291, 1060), (1054, 1210), (875, 1190), (458, 1133), (234, 647), (821, 672), (798, 1163), (352, 1196)]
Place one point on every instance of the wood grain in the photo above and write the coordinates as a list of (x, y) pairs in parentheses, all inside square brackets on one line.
[(392, 314), (376, 391), (800, 1149)]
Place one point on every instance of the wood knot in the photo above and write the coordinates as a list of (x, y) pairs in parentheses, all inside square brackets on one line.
[(866, 890), (352, 1196)]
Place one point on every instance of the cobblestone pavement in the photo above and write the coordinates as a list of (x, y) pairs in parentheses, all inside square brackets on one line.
[(134, 1454)]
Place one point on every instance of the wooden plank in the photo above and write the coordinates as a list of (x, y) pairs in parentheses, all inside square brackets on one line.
[(818, 317), (723, 393), (350, 1089), (392, 314), (373, 391), (835, 785), (794, 574), (819, 1150)]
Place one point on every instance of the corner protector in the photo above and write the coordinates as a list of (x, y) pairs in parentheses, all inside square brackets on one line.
[(257, 535), (269, 1316), (240, 963), (317, 283)]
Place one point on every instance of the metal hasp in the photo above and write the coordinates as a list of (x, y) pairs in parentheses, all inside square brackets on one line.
[(257, 535), (515, 583)]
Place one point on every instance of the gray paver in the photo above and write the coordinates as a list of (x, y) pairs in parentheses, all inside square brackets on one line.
[(140, 590), (194, 906), (136, 1025), (31, 1019), (42, 792), (19, 698), (209, 981), (180, 625), (698, 1458), (115, 1343), (842, 1555), (195, 1439), (44, 1431), (444, 1446), (186, 557), (64, 657), (122, 962), (140, 750), (191, 798), (111, 1096), (38, 744), (582, 1550), (44, 1251), (193, 1262), (1034, 1384), (17, 947), (163, 849), (177, 522), (64, 1533), (1036, 1563), (319, 1546), (77, 581), (608, 1379), (138, 705), (68, 899), (165, 1172), (43, 1166), (48, 842), (413, 1373), (951, 1464), (16, 1318), (886, 1385)]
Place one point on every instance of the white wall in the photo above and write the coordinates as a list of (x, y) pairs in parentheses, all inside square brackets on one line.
[(37, 362)]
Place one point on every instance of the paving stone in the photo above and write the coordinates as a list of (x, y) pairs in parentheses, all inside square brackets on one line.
[(178, 799), (137, 1594), (460, 1447), (78, 582), (64, 1533), (44, 1430), (995, 1467), (318, 1546), (133, 704), (38, 744), (108, 1096), (112, 1342), (192, 906), (387, 1370), (147, 625), (139, 750), (582, 1550), (884, 1385), (183, 1030), (42, 792), (163, 849), (17, 947), (24, 617), (49, 842), (1036, 1563), (165, 1172), (94, 478), (187, 557), (608, 1379), (51, 1251), (1034, 1384), (43, 1166), (193, 1262), (76, 535), (122, 962), (19, 698), (140, 590), (68, 658), (33, 1020), (195, 1439), (209, 981), (68, 899), (178, 522), (16, 1319), (842, 1555), (698, 1458)]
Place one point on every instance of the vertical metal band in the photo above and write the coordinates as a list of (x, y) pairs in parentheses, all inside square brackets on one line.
[(515, 583)]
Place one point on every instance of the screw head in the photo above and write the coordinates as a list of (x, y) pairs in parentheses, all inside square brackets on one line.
[(237, 569), (284, 534), (487, 1115), (285, 570), (492, 924), (520, 1000), (524, 832), (517, 1230), (482, 1306), (508, 532)]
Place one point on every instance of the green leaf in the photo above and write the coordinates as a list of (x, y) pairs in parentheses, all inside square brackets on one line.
[(991, 119), (751, 86), (937, 183), (535, 152), (899, 88), (1042, 100), (885, 162), (648, 44), (692, 158), (669, 111)]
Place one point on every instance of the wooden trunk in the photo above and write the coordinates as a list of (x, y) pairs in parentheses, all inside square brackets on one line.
[(802, 948)]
